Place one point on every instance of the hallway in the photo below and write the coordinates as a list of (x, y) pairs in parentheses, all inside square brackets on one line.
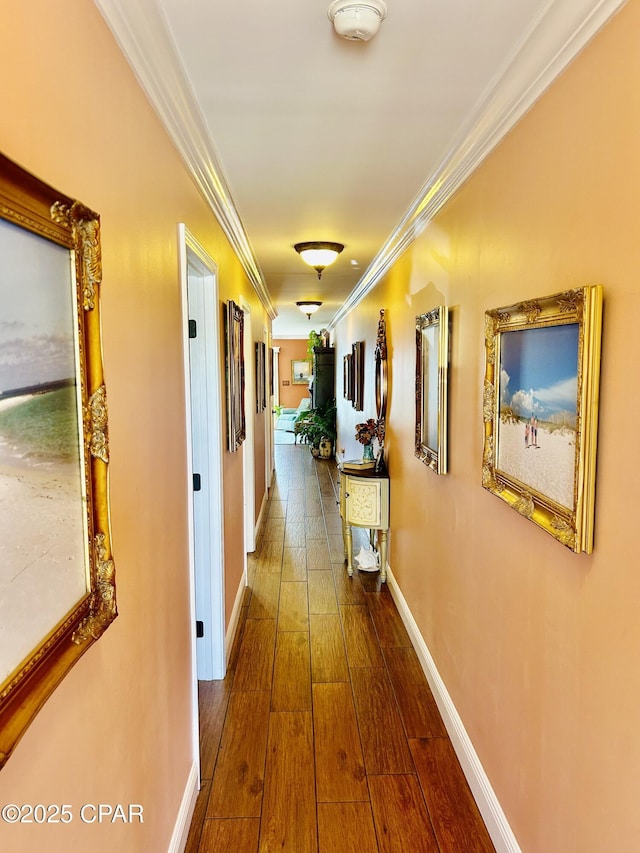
[(324, 735)]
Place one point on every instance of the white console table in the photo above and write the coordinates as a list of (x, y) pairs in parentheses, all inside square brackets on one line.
[(364, 502)]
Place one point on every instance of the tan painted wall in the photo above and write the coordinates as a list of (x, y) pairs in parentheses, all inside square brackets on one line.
[(290, 350), (538, 647), (118, 729)]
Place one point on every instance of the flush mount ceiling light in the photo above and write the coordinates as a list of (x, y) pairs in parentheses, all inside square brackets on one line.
[(308, 307), (357, 21), (318, 253)]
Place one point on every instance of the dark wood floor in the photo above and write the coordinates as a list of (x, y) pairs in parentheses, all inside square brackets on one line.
[(324, 737)]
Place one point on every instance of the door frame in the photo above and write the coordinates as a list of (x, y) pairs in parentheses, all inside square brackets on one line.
[(249, 454), (193, 256)]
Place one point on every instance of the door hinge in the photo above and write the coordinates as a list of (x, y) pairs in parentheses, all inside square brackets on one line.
[(199, 629), (197, 482), (193, 329)]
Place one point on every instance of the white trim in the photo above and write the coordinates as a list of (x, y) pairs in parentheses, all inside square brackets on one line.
[(185, 813), (260, 519), (142, 34), (496, 822), (235, 616), (195, 718), (554, 39), (249, 444)]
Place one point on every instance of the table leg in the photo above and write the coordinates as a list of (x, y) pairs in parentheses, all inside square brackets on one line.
[(382, 544), (349, 543)]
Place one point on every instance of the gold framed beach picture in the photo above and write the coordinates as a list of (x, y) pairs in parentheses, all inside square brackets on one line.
[(57, 582), (541, 410)]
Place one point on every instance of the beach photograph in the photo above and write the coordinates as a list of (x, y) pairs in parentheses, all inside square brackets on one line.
[(536, 434), (43, 538)]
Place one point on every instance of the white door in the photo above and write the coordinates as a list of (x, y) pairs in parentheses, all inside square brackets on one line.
[(204, 423)]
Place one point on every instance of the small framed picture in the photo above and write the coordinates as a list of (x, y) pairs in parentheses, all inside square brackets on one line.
[(300, 372)]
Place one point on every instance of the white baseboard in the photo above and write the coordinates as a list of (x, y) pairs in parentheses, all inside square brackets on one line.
[(235, 616), (185, 814), (260, 519), (496, 822)]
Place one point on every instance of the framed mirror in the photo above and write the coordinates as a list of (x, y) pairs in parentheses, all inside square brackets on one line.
[(381, 377), (57, 577), (357, 364), (432, 359)]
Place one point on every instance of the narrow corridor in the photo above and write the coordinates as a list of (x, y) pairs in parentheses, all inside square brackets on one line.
[(324, 736)]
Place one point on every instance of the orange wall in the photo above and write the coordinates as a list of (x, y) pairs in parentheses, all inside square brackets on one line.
[(118, 729), (290, 350), (538, 647)]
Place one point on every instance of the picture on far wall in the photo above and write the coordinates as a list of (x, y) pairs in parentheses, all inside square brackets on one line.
[(300, 372), (541, 410), (432, 364)]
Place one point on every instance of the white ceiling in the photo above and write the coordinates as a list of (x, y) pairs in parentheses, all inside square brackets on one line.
[(294, 134)]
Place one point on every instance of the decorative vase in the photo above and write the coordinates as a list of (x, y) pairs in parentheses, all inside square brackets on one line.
[(326, 448), (367, 453)]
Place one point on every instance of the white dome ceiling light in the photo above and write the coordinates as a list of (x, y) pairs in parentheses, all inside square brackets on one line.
[(357, 21)]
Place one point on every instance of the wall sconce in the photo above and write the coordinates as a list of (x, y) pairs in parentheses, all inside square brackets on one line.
[(357, 21), (308, 307), (318, 253)]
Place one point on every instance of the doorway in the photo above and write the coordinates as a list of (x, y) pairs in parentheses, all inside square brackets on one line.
[(203, 392), (248, 456)]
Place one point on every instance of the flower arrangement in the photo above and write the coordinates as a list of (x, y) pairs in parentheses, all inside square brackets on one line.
[(366, 432)]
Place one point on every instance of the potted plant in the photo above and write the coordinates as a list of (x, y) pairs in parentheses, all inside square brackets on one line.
[(319, 429), (315, 340)]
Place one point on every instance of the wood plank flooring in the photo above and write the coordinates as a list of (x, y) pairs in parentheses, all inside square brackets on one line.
[(324, 736)]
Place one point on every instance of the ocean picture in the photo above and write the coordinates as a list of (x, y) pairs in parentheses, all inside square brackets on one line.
[(42, 504), (538, 405)]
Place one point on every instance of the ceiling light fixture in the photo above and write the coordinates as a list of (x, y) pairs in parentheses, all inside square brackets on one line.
[(308, 307), (357, 21), (318, 253)]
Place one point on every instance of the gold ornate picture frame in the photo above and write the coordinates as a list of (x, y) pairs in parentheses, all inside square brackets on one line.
[(432, 379), (541, 410), (234, 354), (57, 577)]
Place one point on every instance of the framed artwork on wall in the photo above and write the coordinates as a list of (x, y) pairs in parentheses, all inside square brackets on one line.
[(432, 366), (348, 376), (57, 585), (234, 358), (261, 385), (541, 410), (300, 372), (357, 355)]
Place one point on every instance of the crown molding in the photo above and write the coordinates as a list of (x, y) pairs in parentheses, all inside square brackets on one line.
[(143, 36), (556, 36)]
